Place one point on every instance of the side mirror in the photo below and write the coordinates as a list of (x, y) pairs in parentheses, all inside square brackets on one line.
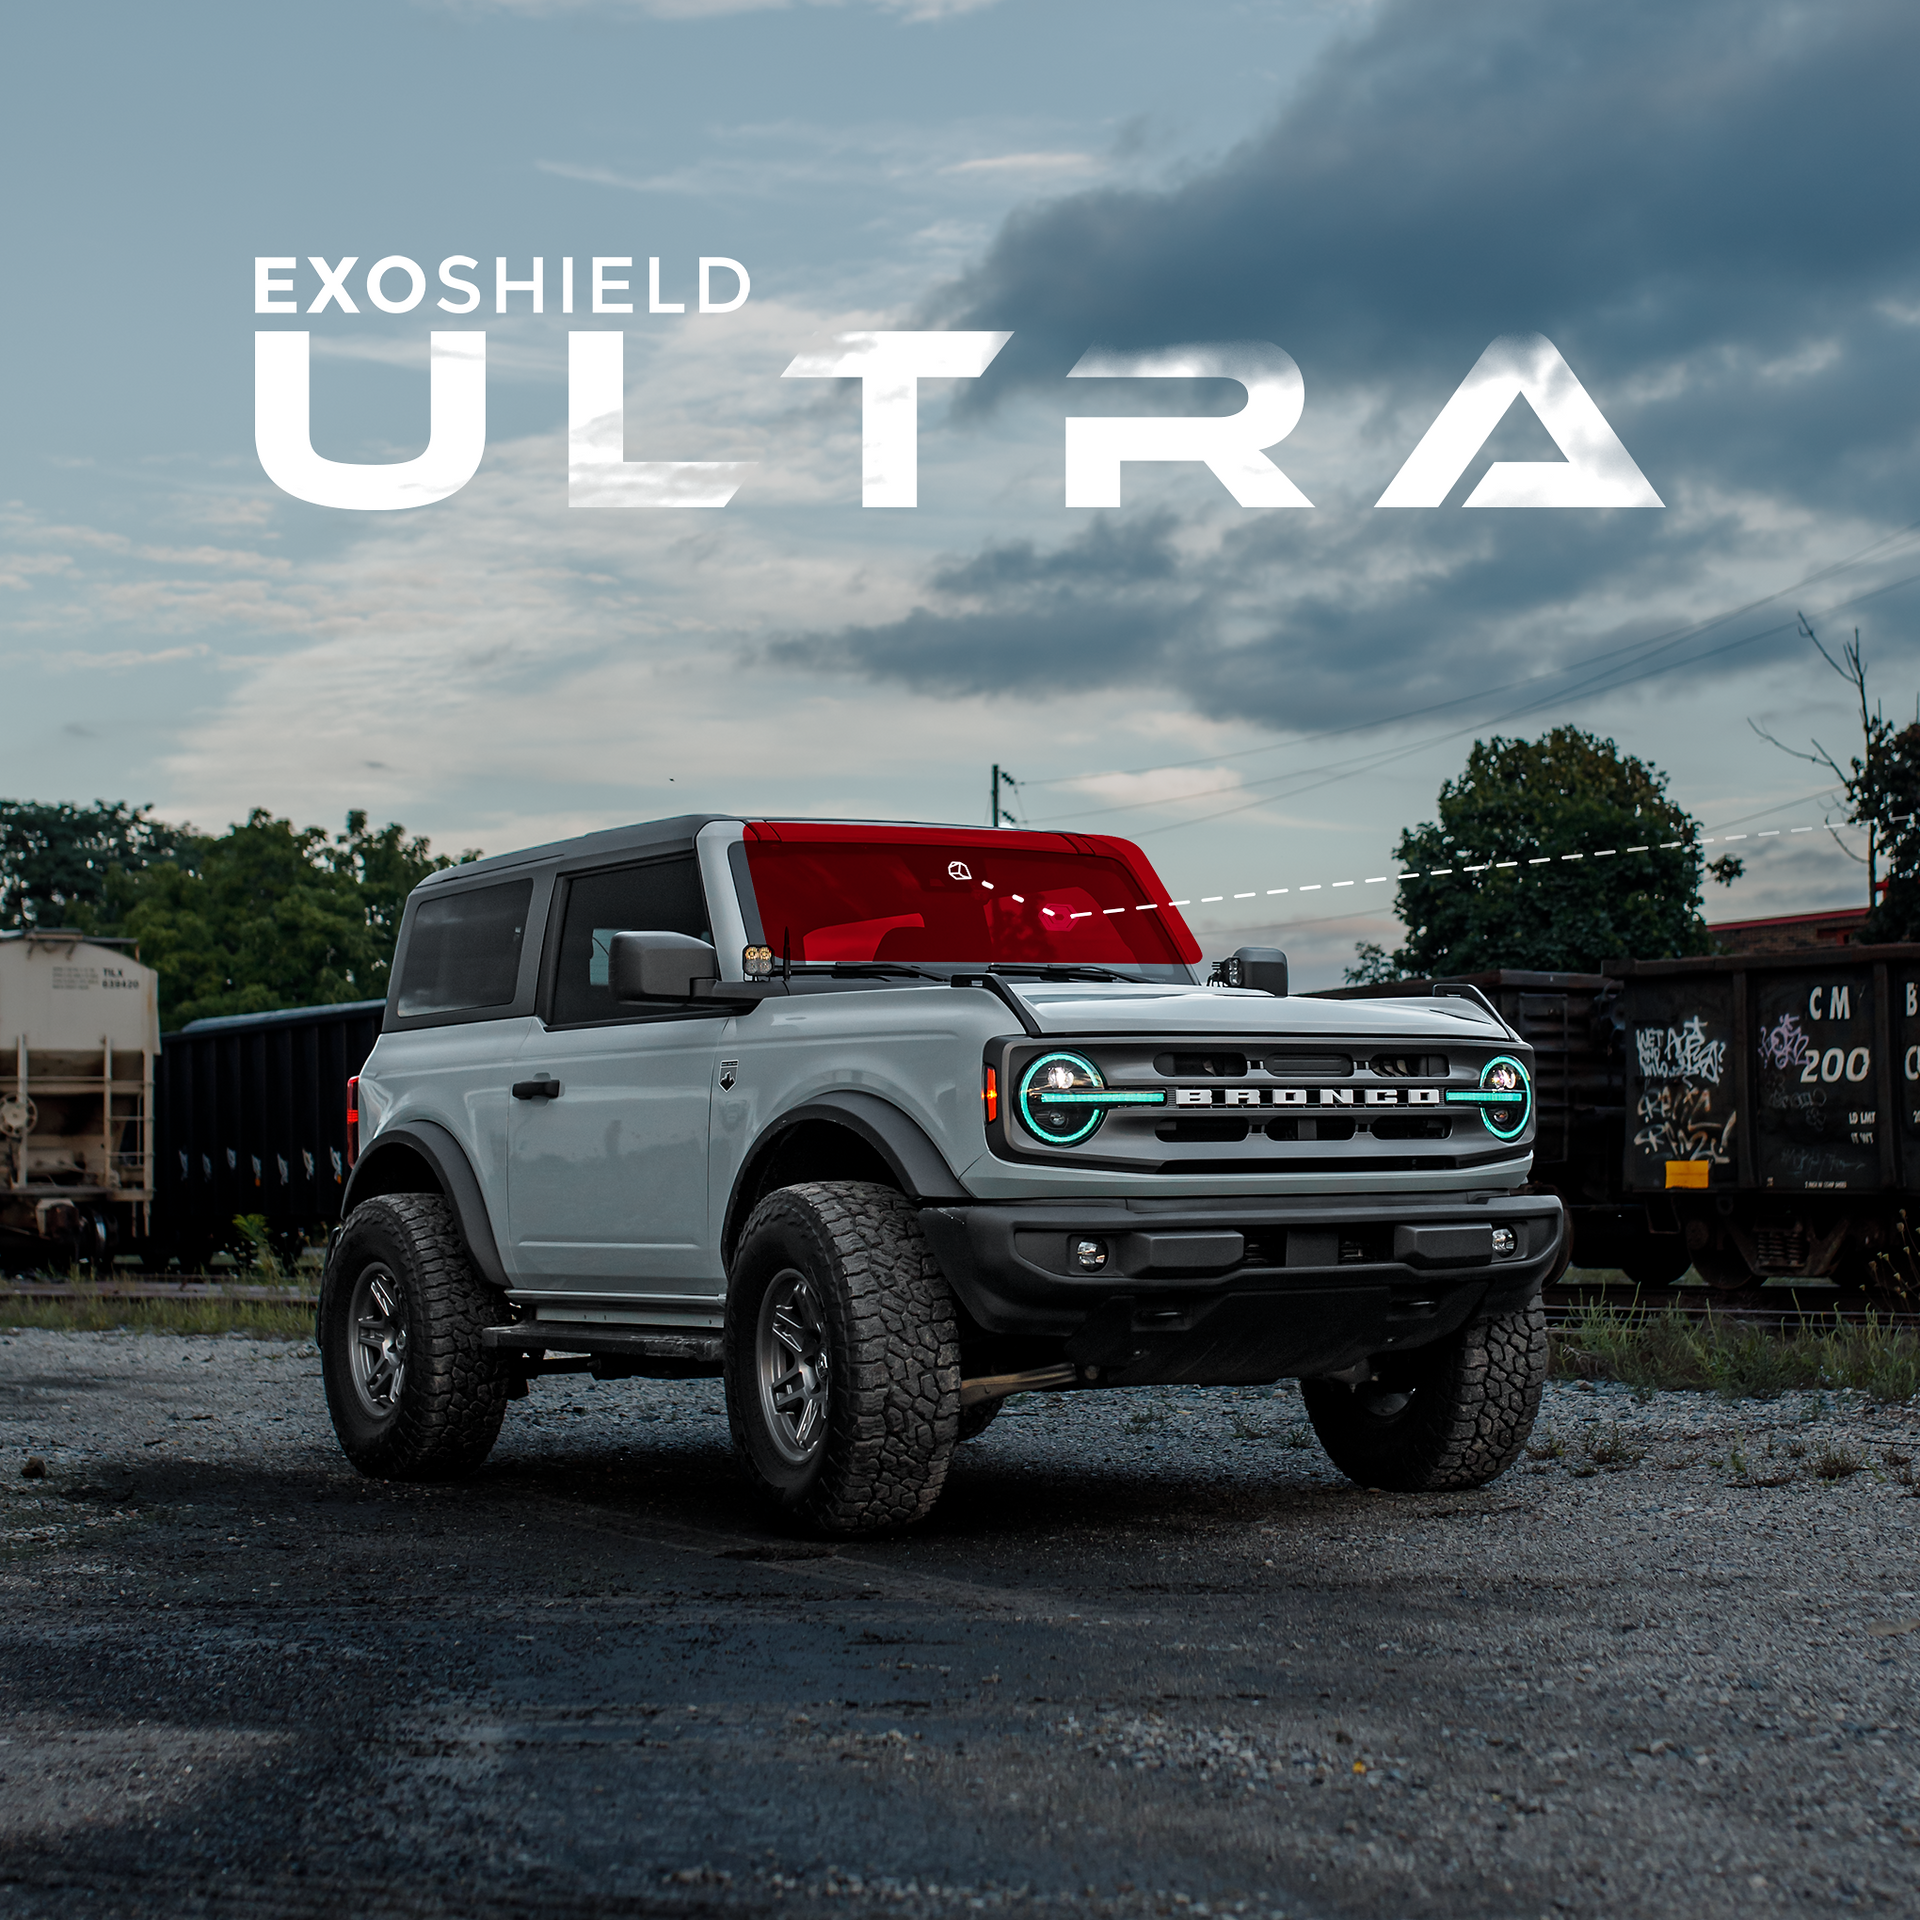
[(658, 966), (1264, 969)]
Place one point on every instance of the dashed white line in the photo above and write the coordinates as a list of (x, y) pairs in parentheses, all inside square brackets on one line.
[(1492, 866)]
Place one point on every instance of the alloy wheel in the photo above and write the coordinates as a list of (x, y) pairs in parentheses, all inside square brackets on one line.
[(379, 1353), (792, 1367)]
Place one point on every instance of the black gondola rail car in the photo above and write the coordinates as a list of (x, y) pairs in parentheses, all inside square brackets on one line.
[(252, 1119), (1573, 1023), (1773, 1108), (1750, 1116)]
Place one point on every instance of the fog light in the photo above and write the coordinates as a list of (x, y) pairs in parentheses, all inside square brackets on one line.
[(1089, 1255), (1505, 1241)]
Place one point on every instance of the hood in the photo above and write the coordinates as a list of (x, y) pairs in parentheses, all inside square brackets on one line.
[(1064, 1007)]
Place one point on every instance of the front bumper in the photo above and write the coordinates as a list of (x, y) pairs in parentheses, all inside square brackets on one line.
[(1230, 1290)]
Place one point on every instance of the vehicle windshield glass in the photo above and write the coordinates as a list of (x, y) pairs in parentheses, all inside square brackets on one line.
[(968, 899)]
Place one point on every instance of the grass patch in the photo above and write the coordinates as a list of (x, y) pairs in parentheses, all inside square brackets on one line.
[(1611, 1448), (1648, 1351), (1838, 1462), (108, 1313)]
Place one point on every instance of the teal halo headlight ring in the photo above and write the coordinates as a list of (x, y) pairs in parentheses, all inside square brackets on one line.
[(1062, 1099), (1059, 1099), (1504, 1097)]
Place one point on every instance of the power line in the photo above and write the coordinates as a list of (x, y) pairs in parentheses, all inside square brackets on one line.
[(1470, 873), (1339, 771), (1601, 670)]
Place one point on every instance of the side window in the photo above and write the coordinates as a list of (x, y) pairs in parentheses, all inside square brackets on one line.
[(663, 896), (463, 950)]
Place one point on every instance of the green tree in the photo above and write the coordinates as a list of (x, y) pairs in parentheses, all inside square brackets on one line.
[(1882, 787), (55, 859), (267, 915), (1529, 865), (1887, 792)]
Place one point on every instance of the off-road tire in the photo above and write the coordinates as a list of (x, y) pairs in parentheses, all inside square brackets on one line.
[(976, 1419), (452, 1396), (886, 1319), (1469, 1405)]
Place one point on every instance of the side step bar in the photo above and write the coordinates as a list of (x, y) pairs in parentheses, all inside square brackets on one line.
[(536, 1338)]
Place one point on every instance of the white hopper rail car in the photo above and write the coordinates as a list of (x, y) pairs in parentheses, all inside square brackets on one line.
[(79, 1036)]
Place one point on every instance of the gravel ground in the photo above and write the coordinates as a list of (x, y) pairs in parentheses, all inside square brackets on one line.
[(1151, 1655)]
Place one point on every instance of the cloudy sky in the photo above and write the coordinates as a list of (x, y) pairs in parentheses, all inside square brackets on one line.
[(1709, 209)]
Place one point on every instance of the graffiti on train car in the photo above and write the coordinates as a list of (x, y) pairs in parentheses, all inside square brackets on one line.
[(1682, 1111), (1678, 1122), (1816, 1114), (1683, 1054)]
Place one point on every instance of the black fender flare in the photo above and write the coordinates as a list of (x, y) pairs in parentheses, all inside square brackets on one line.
[(919, 1167), (387, 1166)]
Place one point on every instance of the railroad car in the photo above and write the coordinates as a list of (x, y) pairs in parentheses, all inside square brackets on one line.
[(1750, 1116), (80, 1028)]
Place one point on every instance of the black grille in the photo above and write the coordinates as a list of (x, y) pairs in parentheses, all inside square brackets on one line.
[(1310, 1066), (1310, 1129), (1203, 1129), (1410, 1066), (1201, 1066)]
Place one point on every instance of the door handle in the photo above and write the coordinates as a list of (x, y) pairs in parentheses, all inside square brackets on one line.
[(536, 1089)]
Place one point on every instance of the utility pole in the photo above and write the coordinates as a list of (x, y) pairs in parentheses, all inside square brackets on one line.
[(995, 811)]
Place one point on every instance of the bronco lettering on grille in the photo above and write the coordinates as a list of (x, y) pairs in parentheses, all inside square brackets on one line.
[(1306, 1096)]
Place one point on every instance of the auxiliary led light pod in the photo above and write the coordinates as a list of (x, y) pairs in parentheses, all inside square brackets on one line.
[(1062, 1099)]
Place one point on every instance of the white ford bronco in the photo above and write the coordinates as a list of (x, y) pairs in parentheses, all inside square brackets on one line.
[(883, 1123)]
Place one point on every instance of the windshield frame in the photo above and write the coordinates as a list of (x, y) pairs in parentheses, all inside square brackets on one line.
[(1110, 859)]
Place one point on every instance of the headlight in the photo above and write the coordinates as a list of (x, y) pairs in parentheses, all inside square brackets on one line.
[(1062, 1098), (1059, 1099), (1504, 1097)]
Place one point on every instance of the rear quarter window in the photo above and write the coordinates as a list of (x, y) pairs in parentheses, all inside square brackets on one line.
[(463, 950)]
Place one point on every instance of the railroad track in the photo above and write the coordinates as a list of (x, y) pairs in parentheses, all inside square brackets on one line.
[(152, 1289), (1780, 1309)]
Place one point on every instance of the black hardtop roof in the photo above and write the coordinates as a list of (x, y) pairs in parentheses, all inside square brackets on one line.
[(641, 837), (645, 835)]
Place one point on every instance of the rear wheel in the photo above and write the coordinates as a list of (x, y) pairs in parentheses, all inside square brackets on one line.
[(842, 1358), (413, 1393), (1452, 1415)]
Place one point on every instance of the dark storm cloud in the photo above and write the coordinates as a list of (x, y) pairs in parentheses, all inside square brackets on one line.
[(1711, 210), (1628, 178), (1110, 606)]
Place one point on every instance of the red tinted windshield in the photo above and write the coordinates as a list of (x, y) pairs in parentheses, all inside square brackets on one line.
[(932, 894)]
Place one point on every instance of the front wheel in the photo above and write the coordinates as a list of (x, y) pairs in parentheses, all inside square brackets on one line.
[(413, 1393), (842, 1358), (1449, 1416)]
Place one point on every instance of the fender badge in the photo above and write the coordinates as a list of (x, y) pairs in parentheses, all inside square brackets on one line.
[(728, 1068)]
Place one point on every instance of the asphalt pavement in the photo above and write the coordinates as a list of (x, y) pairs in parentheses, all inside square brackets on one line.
[(1151, 1655)]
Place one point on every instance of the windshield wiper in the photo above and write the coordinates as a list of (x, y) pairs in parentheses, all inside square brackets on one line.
[(883, 970), (1062, 970)]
